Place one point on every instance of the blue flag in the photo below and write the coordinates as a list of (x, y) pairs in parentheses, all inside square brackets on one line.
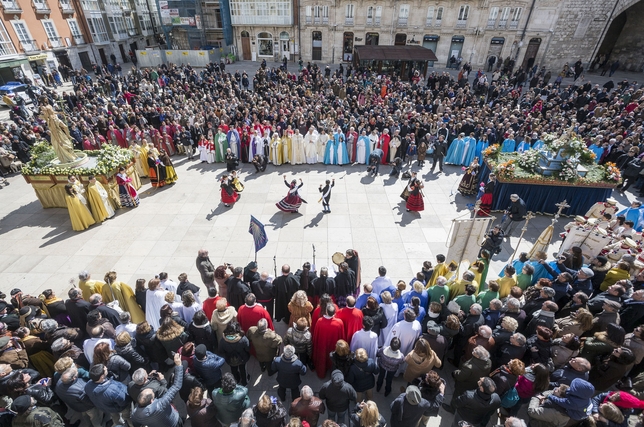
[(259, 234)]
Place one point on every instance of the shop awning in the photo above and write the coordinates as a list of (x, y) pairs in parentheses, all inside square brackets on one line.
[(394, 53), (13, 63)]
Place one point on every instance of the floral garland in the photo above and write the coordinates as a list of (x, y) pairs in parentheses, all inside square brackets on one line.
[(529, 159), (108, 158), (612, 172), (505, 170), (492, 151), (568, 171)]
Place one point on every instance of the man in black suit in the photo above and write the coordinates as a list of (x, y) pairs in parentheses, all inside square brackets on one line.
[(440, 149)]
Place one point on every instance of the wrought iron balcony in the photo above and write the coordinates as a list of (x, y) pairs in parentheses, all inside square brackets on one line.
[(11, 7), (29, 45), (66, 7), (41, 7)]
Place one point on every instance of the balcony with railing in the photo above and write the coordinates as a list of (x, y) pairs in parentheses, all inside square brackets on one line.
[(402, 22), (325, 20), (348, 20), (438, 22), (29, 46), (79, 39), (11, 7), (66, 7), (309, 19), (503, 23), (491, 23), (6, 48), (41, 7), (55, 42), (428, 22), (514, 24), (461, 23)]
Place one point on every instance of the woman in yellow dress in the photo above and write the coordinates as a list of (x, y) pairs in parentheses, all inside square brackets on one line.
[(78, 212), (170, 174), (276, 154), (236, 183), (99, 201)]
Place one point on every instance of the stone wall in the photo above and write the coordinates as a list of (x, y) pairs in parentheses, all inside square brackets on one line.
[(630, 44)]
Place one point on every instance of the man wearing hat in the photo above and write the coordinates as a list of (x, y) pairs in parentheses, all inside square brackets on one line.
[(600, 208), (610, 314), (13, 353), (250, 273), (581, 279), (600, 266), (410, 407), (515, 214), (614, 293), (289, 370), (208, 365), (28, 414), (578, 222), (9, 316)]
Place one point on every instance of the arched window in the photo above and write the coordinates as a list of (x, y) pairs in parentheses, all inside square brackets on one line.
[(265, 43)]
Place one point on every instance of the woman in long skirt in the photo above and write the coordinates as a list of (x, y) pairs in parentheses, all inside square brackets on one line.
[(127, 193), (415, 200), (157, 171), (487, 197), (78, 213), (468, 185), (170, 174), (228, 193), (292, 202)]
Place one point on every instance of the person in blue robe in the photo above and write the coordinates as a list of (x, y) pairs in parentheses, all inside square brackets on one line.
[(331, 152), (509, 144), (455, 151), (470, 152), (523, 146), (598, 149), (480, 146), (634, 213)]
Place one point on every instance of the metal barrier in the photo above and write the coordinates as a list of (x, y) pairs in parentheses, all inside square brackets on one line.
[(196, 58)]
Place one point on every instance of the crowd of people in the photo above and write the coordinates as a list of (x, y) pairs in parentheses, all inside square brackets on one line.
[(559, 337)]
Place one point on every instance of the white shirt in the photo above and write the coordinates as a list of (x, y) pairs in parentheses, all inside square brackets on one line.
[(130, 328), (379, 284), (407, 332), (91, 343)]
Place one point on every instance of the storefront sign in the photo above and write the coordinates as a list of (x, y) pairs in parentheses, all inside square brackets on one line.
[(37, 57)]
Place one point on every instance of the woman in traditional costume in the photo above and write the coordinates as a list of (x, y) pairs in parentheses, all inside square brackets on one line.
[(139, 159), (127, 193), (509, 144), (415, 200), (228, 193), (486, 198), (99, 201), (480, 146), (236, 183), (157, 171), (292, 202), (78, 212), (115, 290), (202, 147), (456, 150), (170, 174), (469, 182)]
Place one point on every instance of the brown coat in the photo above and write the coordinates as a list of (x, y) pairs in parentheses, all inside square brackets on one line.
[(265, 344), (297, 312), (417, 365), (422, 151)]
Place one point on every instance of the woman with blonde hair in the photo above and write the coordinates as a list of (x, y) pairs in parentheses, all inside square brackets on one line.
[(300, 306), (420, 360), (361, 374), (506, 376), (577, 323), (366, 414)]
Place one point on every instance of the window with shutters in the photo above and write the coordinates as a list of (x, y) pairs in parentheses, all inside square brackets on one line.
[(403, 15)]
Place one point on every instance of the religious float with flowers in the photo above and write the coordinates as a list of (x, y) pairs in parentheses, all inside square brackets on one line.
[(562, 169), (48, 177)]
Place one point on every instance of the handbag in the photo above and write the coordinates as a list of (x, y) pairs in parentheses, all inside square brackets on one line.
[(510, 398), (114, 305)]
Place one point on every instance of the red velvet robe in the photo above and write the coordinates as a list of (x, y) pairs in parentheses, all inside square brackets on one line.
[(249, 316), (352, 154), (352, 319), (315, 316), (326, 335), (383, 144)]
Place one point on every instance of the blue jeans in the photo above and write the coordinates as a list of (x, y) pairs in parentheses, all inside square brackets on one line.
[(338, 417)]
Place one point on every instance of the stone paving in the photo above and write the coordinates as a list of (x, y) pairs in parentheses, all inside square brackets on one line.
[(39, 250)]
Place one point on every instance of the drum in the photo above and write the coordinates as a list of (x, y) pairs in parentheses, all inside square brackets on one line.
[(338, 258)]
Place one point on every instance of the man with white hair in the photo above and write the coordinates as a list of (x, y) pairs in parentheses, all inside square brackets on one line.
[(469, 327), (71, 390), (88, 286), (289, 370), (247, 419), (468, 375), (407, 330), (515, 214), (308, 407)]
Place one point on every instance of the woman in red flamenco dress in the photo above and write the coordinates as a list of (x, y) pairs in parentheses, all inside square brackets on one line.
[(415, 200), (228, 193), (487, 197), (292, 202)]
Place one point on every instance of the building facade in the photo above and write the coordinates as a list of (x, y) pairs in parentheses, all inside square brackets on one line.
[(265, 29), (116, 27), (37, 36), (471, 30), (529, 32)]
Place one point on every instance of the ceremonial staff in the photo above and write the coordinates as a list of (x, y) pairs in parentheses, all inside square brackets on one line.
[(528, 217)]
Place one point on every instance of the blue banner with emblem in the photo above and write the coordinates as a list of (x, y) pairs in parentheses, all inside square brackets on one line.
[(259, 234)]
